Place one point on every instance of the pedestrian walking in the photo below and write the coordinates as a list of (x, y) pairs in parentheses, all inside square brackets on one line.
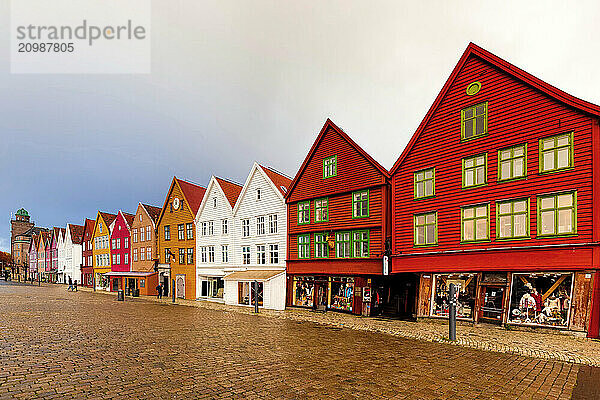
[(159, 291), (70, 288), (75, 285)]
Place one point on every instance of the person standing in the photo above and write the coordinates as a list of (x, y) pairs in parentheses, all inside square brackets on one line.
[(75, 285), (70, 284), (159, 291)]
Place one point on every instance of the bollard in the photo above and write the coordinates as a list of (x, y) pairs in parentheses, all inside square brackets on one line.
[(173, 290), (255, 297), (452, 313)]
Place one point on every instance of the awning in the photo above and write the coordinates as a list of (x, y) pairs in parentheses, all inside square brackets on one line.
[(133, 274), (253, 275)]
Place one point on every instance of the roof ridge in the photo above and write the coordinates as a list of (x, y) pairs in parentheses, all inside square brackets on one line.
[(229, 180), (276, 171)]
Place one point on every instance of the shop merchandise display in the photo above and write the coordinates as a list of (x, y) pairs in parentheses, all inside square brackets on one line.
[(342, 293), (541, 299), (465, 289), (303, 293)]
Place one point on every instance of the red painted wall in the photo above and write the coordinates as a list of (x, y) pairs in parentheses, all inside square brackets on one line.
[(120, 236), (517, 114), (355, 171)]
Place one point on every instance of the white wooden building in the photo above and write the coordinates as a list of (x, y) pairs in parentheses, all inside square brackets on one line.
[(60, 247), (215, 238), (72, 253)]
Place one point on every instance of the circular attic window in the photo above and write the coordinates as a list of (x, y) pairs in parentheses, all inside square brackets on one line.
[(473, 88)]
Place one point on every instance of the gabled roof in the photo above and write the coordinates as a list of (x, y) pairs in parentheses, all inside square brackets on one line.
[(507, 68), (107, 217), (231, 189), (193, 195), (330, 125), (280, 180), (276, 179), (152, 211), (90, 223), (76, 232), (44, 238), (34, 241), (57, 233), (128, 218)]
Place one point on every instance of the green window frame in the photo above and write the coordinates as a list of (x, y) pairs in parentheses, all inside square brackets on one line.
[(475, 223), (322, 210), (304, 213), (474, 171), (330, 167), (425, 229), (512, 163), (473, 121), (303, 246), (512, 219), (424, 181), (360, 244), (557, 214), (343, 244), (556, 153), (360, 204), (321, 245)]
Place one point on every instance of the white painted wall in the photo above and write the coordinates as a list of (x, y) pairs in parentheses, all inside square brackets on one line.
[(209, 212), (73, 258), (61, 257)]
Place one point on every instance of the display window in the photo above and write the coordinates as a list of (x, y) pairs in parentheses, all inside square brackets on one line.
[(341, 294), (465, 291), (304, 287), (541, 299)]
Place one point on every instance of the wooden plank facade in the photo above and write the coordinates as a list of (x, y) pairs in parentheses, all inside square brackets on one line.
[(337, 226), (513, 203)]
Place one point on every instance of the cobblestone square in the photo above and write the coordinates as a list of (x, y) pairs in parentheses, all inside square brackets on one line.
[(56, 344)]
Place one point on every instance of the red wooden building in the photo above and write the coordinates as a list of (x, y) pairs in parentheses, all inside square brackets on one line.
[(87, 268), (120, 251), (337, 226), (498, 192)]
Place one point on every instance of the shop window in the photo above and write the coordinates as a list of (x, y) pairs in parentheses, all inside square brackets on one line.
[(303, 291), (541, 299), (304, 213), (329, 167), (142, 283), (473, 121), (465, 288), (360, 204), (425, 229), (321, 245), (244, 293), (512, 163), (216, 287), (321, 210), (424, 182), (475, 223), (474, 171), (512, 219), (342, 294), (556, 153), (557, 214)]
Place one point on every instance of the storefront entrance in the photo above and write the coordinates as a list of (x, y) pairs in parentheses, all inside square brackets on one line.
[(321, 295), (491, 300), (395, 296)]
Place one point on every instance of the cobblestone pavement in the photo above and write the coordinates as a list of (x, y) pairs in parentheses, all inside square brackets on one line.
[(56, 344)]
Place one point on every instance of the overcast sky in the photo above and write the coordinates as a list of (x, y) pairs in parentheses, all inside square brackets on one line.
[(237, 81)]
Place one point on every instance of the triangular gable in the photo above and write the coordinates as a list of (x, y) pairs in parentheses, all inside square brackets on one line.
[(230, 189), (347, 171), (127, 218), (213, 184), (107, 220), (152, 212), (271, 178), (509, 69), (195, 192)]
